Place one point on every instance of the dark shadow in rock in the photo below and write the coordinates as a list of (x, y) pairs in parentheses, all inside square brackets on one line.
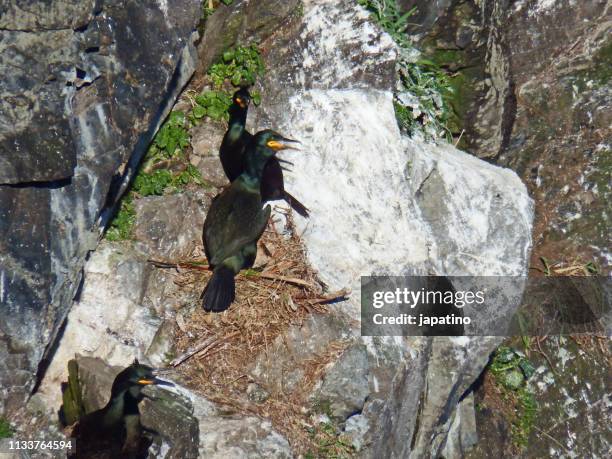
[(48, 357)]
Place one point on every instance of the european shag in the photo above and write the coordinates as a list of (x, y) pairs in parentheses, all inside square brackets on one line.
[(236, 221), (233, 150), (115, 430)]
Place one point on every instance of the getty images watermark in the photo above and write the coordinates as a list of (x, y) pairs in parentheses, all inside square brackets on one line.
[(423, 297), (484, 306)]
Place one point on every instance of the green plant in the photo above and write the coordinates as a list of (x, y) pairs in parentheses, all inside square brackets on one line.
[(511, 371), (422, 101), (190, 175), (240, 66), (6, 431), (154, 183), (527, 410), (213, 104), (172, 136), (121, 226), (154, 177)]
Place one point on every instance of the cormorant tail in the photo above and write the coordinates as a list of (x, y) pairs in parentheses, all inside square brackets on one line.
[(220, 291), (297, 205)]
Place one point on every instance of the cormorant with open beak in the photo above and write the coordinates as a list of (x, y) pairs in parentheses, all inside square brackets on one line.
[(236, 221), (115, 431), (233, 155)]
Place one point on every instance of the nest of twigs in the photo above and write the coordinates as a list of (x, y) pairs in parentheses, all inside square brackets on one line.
[(217, 351)]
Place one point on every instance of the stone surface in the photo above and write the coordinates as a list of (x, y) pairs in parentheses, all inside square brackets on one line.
[(206, 139), (444, 389), (170, 227), (241, 438), (109, 320), (278, 369), (385, 204), (345, 386), (240, 22), (212, 172), (381, 203), (87, 84), (532, 92)]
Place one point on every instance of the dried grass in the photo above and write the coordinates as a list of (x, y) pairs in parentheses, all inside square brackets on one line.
[(216, 350)]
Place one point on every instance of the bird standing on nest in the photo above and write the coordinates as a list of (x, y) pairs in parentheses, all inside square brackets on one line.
[(233, 155), (115, 431), (236, 221)]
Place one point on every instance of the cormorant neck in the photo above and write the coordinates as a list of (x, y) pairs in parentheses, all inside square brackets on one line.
[(254, 165), (238, 116), (119, 406)]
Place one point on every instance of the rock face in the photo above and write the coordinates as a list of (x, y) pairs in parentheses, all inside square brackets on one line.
[(381, 203), (532, 93), (87, 84), (242, 21), (346, 383), (386, 204)]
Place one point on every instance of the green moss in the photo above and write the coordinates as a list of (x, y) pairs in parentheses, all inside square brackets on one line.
[(72, 407), (6, 431), (511, 371), (122, 225), (599, 73), (527, 412)]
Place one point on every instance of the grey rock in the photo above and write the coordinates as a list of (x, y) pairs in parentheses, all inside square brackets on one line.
[(170, 227), (276, 369), (533, 95), (443, 389), (241, 438), (87, 86), (463, 434), (206, 138), (345, 92), (212, 172), (256, 393), (345, 386), (109, 320), (362, 56), (355, 430), (241, 22)]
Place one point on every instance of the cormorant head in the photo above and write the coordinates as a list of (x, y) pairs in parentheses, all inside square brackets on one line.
[(269, 142), (133, 379), (242, 98), (263, 146)]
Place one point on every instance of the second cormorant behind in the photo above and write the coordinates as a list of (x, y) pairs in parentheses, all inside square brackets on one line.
[(233, 151)]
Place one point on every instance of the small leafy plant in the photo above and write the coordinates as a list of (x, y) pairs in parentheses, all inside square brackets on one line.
[(172, 136), (153, 179), (424, 89), (6, 431), (213, 104), (240, 66), (511, 371), (121, 227)]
